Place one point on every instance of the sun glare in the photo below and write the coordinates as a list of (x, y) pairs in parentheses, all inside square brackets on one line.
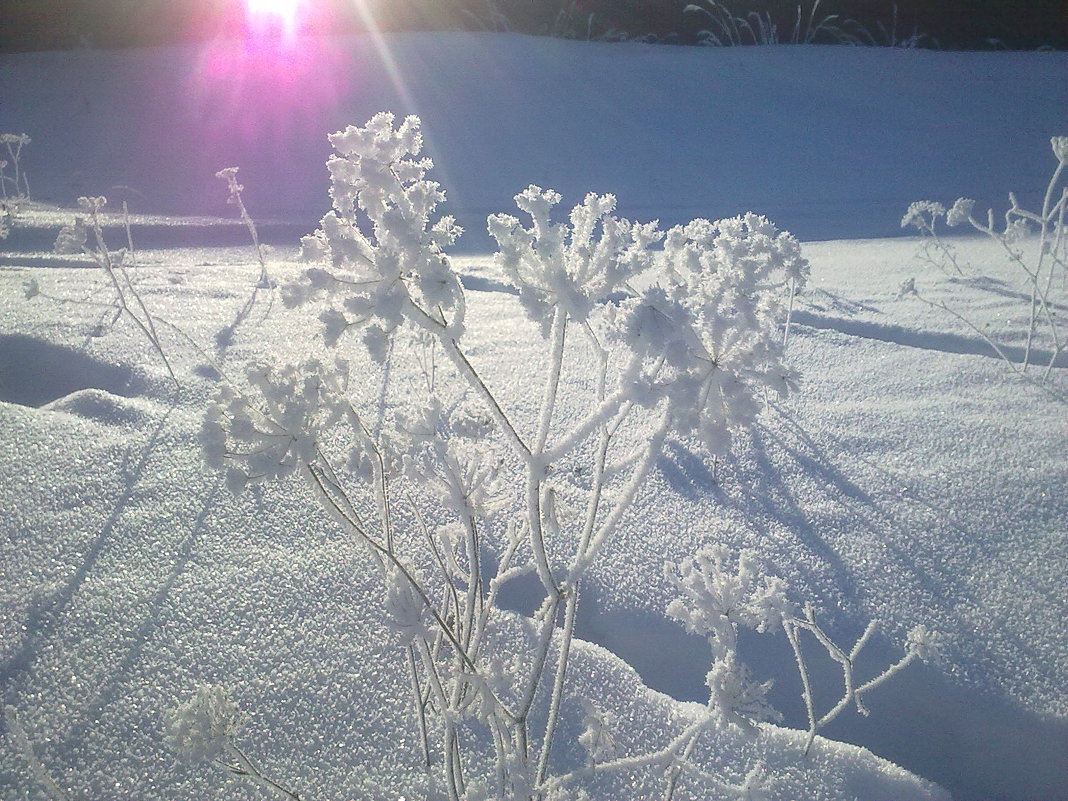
[(278, 12)]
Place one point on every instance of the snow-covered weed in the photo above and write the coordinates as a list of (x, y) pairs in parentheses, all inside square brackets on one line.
[(229, 174), (717, 600), (452, 491), (1044, 269), (18, 182), (203, 730), (127, 301)]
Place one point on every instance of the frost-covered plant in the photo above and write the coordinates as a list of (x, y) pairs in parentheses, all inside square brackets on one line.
[(203, 730), (19, 183), (717, 600), (1045, 268), (451, 494), (75, 238), (229, 174)]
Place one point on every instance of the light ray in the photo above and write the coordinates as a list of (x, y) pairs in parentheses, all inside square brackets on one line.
[(380, 45)]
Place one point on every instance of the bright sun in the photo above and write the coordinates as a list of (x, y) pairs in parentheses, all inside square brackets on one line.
[(284, 11)]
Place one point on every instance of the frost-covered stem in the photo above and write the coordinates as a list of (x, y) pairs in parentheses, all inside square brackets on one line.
[(500, 750), (548, 625), (538, 465), (230, 176), (666, 755), (315, 481), (474, 580), (605, 409), (244, 767), (890, 672), (378, 469), (1039, 303), (537, 534), (806, 682), (467, 370), (552, 384), (602, 412), (570, 607), (986, 338), (596, 490), (504, 573), (16, 164), (851, 692), (437, 689), (789, 313), (454, 780), (626, 497), (1051, 250), (103, 256), (676, 770), (1047, 201), (126, 276), (420, 704), (575, 577), (446, 575)]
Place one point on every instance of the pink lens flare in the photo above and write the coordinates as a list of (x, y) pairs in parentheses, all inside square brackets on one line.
[(277, 15)]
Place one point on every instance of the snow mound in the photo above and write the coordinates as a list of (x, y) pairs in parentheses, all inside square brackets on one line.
[(34, 372), (104, 407)]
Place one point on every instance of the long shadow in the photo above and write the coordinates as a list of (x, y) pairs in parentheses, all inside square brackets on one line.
[(224, 338), (1000, 288), (926, 340), (761, 497), (45, 617), (944, 730), (112, 689)]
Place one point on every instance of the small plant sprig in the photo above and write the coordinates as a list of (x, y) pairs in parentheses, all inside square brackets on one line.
[(229, 174), (717, 600), (203, 730), (19, 182), (74, 238), (1046, 272)]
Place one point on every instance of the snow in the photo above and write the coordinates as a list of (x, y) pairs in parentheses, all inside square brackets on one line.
[(912, 478)]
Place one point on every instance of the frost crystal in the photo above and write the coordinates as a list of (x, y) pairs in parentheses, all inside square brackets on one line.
[(201, 728), (922, 214), (570, 267), (711, 334), (1060, 148), (72, 239), (735, 699), (597, 737), (960, 212), (405, 609), (925, 644)]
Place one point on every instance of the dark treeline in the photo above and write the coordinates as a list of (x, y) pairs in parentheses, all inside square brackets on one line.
[(946, 24)]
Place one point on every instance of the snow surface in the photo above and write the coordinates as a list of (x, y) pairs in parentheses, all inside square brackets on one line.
[(912, 479)]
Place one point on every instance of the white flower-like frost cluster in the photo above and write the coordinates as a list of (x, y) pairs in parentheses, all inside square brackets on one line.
[(253, 444), (201, 728)]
